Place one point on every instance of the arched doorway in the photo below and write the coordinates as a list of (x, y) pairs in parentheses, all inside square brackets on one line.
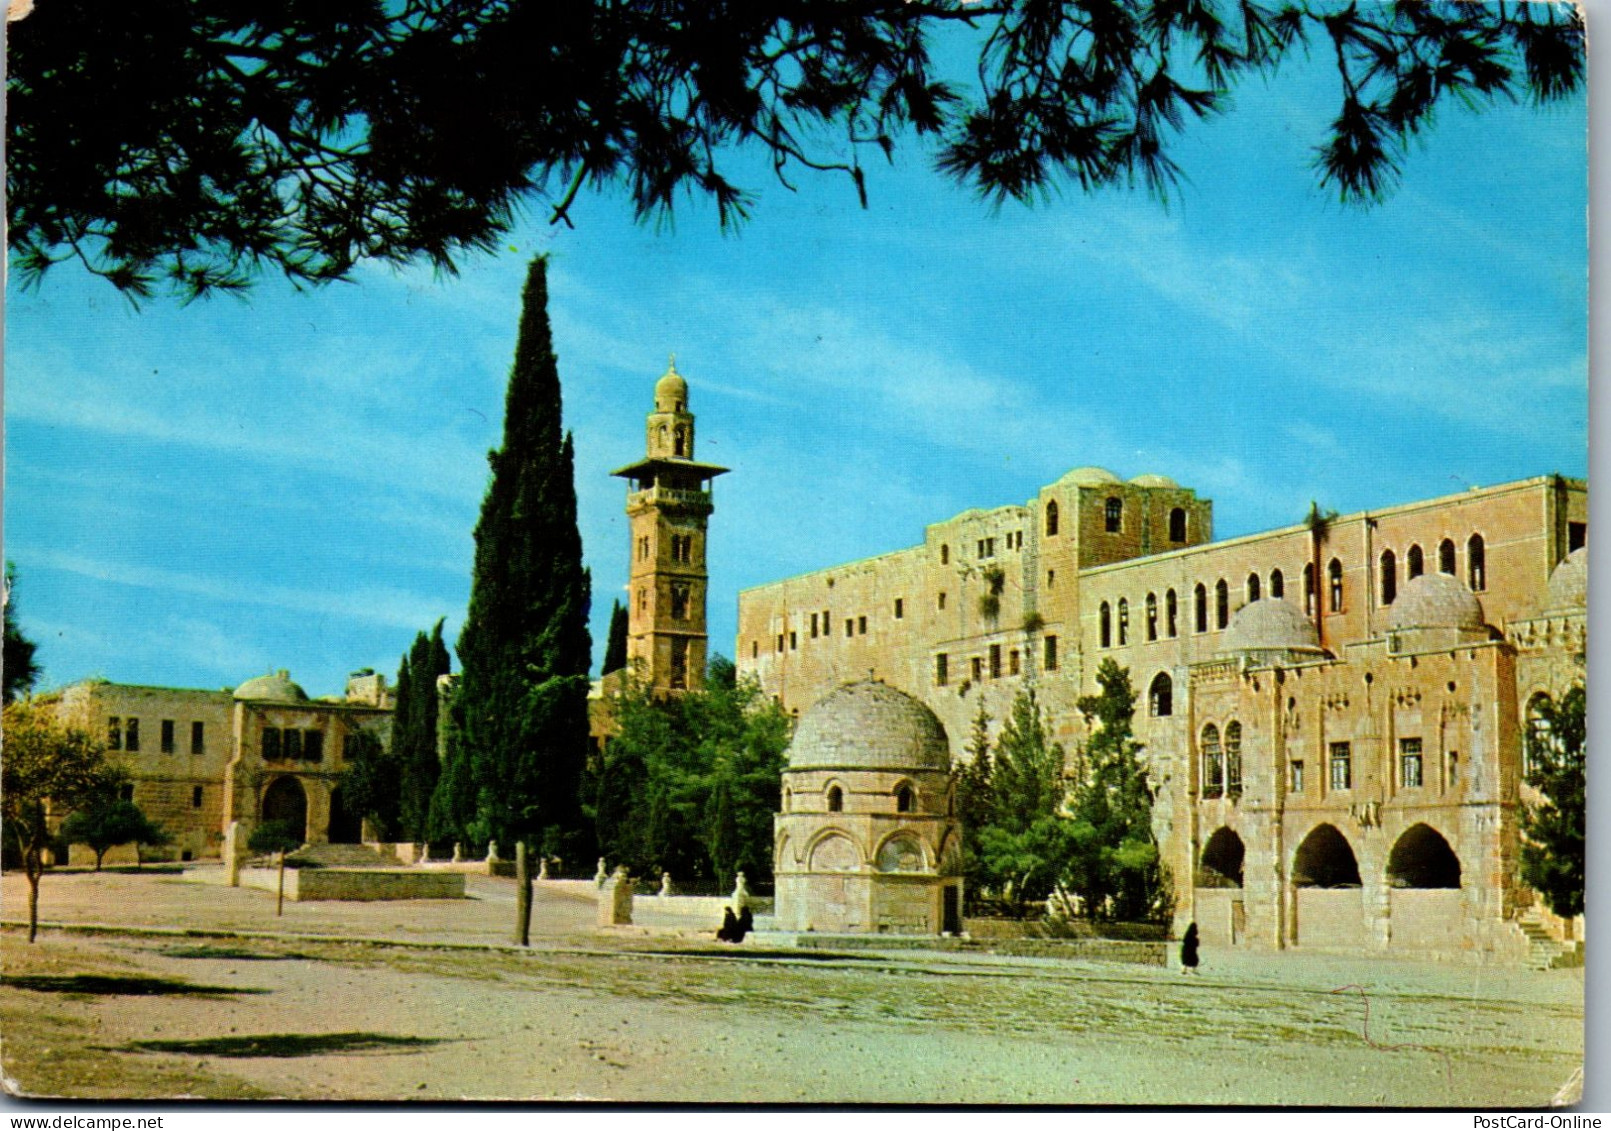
[(1328, 903), (346, 827), (1424, 906), (285, 800), (1219, 910)]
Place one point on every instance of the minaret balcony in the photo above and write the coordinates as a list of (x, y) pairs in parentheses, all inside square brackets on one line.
[(670, 498)]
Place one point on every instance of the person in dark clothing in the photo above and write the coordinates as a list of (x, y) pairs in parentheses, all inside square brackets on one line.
[(746, 924), (729, 930), (1188, 950)]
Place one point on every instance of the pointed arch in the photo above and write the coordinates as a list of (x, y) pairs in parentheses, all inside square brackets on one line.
[(1446, 563), (1278, 585), (1161, 696), (1414, 563), (1252, 587), (1222, 859), (1422, 858), (1476, 563), (1051, 518), (1325, 859)]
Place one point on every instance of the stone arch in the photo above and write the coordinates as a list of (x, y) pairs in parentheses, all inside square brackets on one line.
[(901, 851), (1161, 696), (1221, 865), (1325, 859), (286, 800), (781, 856), (833, 797), (833, 850), (1422, 858)]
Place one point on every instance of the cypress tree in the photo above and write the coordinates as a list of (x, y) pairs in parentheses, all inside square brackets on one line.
[(524, 653), (615, 647), (414, 747)]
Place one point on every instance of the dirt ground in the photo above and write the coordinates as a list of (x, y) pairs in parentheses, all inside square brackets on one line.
[(644, 1015)]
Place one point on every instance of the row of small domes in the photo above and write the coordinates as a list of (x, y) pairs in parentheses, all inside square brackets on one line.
[(1102, 477)]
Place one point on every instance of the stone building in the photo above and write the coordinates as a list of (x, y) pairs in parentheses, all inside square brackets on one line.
[(868, 839), (199, 760), (669, 504), (1333, 712)]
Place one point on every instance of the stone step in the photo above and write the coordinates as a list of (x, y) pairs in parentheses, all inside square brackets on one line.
[(342, 856)]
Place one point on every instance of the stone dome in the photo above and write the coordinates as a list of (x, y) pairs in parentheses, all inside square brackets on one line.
[(671, 391), (1271, 625), (276, 686), (1150, 480), (1436, 600), (1569, 584), (1090, 477), (869, 726)]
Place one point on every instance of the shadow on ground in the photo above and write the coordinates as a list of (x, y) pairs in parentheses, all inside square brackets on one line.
[(231, 952), (107, 984), (285, 1045)]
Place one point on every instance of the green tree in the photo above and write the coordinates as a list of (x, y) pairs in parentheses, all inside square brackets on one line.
[(974, 808), (369, 785), (414, 731), (1552, 851), (108, 822), (20, 667), (615, 645), (305, 137), (47, 766), (525, 653), (1114, 865), (1024, 844), (690, 783)]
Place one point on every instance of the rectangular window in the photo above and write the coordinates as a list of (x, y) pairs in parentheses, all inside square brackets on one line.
[(794, 641), (131, 734), (850, 627), (942, 600), (1342, 766), (271, 744), (1051, 654), (679, 662), (313, 745), (900, 608), (198, 738), (1295, 776), (978, 669), (827, 623), (780, 642), (114, 733), (1454, 767), (195, 797), (813, 626), (861, 625), (1409, 762), (1012, 662), (1051, 579), (291, 744), (167, 736), (995, 661), (755, 649), (942, 674), (1577, 536)]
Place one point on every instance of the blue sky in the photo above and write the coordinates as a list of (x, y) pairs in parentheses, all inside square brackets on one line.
[(195, 495)]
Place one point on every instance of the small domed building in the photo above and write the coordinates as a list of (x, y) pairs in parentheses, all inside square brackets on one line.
[(868, 839)]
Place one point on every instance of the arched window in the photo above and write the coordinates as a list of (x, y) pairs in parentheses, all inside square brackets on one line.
[(1413, 565), (1124, 622), (1152, 617), (1161, 696), (1252, 588), (945, 554), (1476, 564), (1113, 515), (1334, 578), (1201, 601), (1309, 590), (1278, 585), (905, 798), (1213, 763), (1170, 611), (836, 799), (1105, 616), (1389, 571), (1222, 604), (1446, 557), (1177, 525), (1233, 759), (1051, 519)]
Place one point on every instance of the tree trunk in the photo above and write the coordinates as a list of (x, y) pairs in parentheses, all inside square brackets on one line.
[(34, 868), (99, 853), (522, 895)]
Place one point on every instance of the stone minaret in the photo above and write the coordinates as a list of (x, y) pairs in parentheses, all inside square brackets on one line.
[(669, 505)]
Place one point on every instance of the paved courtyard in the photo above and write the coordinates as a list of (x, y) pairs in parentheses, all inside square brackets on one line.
[(655, 1014)]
